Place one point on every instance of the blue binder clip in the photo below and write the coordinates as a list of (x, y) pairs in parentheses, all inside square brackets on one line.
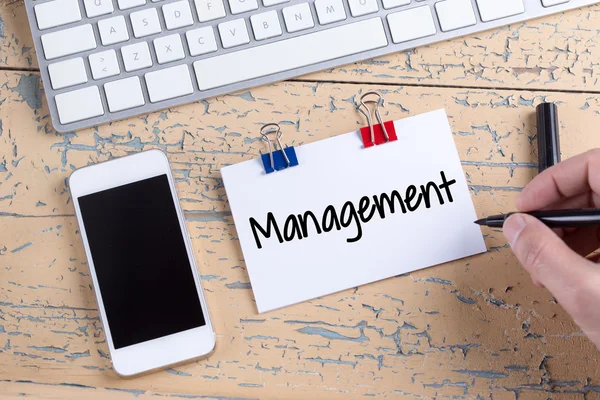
[(280, 159)]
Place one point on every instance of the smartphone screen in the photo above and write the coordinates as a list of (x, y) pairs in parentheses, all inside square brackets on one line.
[(141, 263)]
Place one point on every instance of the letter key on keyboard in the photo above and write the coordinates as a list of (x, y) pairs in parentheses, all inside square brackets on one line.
[(103, 60)]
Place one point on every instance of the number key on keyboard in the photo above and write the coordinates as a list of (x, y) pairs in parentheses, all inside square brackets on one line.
[(209, 9), (177, 14), (298, 17), (234, 33), (104, 64), (56, 13), (113, 30), (145, 22), (491, 10)]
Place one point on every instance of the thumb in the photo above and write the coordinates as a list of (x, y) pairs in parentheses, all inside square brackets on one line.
[(573, 280)]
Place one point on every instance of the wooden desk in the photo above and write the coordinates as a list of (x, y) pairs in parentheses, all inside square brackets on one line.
[(475, 327)]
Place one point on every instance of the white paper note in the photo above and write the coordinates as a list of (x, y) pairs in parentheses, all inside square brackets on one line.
[(337, 177)]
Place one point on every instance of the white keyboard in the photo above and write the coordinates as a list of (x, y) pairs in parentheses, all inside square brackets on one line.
[(103, 60)]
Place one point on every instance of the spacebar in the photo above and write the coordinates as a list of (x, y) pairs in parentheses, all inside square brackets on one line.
[(291, 53)]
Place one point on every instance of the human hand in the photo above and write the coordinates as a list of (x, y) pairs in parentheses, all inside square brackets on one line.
[(556, 259)]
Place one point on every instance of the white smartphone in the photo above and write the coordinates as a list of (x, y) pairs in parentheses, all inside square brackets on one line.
[(141, 262)]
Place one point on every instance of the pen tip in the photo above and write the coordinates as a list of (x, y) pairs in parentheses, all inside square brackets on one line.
[(481, 221)]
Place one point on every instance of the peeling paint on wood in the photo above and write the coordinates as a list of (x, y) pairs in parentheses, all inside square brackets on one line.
[(471, 328)]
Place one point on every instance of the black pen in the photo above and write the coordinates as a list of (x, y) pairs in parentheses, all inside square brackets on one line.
[(552, 218)]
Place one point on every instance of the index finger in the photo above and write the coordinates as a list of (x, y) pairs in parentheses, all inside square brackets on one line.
[(572, 177)]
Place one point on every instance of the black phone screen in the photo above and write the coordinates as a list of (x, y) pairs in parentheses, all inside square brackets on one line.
[(139, 254)]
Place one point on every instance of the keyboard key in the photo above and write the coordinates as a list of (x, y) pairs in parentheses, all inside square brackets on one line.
[(233, 33), (169, 83), (125, 4), (387, 4), (136, 56), (329, 11), (550, 3), (455, 14), (411, 24), (298, 17), (168, 48), (68, 41), (57, 13), (240, 6), (209, 9), (67, 73), (124, 94), (113, 30), (363, 7), (177, 14), (289, 54), (95, 8), (491, 10), (104, 64), (145, 22), (79, 105), (266, 25), (268, 3), (201, 41)]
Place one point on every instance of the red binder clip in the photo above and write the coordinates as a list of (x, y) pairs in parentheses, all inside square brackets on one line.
[(375, 134)]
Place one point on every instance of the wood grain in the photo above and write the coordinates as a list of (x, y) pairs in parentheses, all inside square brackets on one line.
[(474, 328)]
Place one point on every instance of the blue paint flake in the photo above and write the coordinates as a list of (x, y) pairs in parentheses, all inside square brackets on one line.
[(134, 392), (466, 300), (324, 361), (238, 285), (79, 355), (51, 349), (262, 337), (175, 372), (30, 91), (332, 335), (439, 280), (250, 385), (21, 247), (481, 374)]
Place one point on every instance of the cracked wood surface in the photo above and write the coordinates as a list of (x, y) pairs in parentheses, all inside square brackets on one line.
[(473, 327)]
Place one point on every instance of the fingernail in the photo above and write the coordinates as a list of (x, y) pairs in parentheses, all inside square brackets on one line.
[(513, 227)]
